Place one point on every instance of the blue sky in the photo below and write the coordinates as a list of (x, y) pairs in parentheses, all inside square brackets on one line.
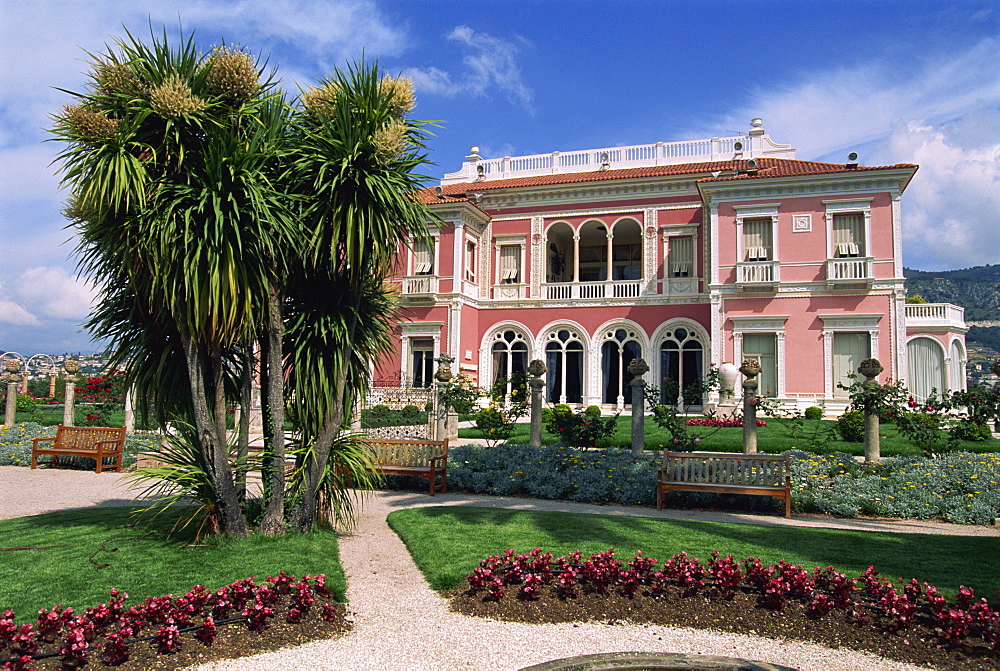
[(897, 81)]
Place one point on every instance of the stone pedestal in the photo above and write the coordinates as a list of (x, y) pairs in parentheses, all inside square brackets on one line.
[(638, 368), (536, 369), (870, 368), (750, 369), (69, 400)]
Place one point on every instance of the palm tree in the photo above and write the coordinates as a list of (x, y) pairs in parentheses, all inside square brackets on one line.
[(167, 160), (356, 153)]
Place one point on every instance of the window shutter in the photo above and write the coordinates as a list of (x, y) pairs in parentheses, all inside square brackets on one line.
[(757, 239), (681, 257), (510, 262), (848, 235), (423, 258)]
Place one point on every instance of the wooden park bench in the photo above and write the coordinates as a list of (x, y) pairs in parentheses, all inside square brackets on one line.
[(95, 442), (423, 458), (722, 472)]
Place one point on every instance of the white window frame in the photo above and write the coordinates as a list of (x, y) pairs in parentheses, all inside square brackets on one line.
[(862, 206), (501, 241), (851, 323), (433, 239), (762, 325), (754, 212), (471, 254)]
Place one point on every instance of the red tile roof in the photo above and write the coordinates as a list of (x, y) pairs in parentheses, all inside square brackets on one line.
[(737, 169)]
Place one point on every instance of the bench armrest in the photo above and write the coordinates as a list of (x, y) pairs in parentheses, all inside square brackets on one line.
[(117, 443), (42, 440)]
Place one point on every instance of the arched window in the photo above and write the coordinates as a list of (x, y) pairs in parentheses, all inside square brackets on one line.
[(564, 359), (925, 358), (957, 366), (510, 360), (620, 346), (682, 360)]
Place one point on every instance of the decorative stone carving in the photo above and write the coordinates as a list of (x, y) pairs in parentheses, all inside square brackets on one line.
[(537, 368), (870, 368), (638, 367), (750, 368)]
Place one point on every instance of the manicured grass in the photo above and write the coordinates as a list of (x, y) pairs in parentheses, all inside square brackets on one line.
[(778, 436), (448, 542), (141, 560)]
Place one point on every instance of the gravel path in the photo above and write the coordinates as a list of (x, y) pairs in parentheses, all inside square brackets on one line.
[(400, 623)]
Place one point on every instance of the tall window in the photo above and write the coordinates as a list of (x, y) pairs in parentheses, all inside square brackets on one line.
[(627, 263), (619, 348), (849, 350), (594, 262), (848, 235), (680, 257), (510, 360), (564, 359), (470, 261), (510, 264), (423, 257), (757, 242), (681, 362), (763, 347), (925, 359), (422, 358)]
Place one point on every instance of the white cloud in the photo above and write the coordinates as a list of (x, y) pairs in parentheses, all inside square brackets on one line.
[(490, 63), (952, 207), (51, 293), (941, 111), (13, 314)]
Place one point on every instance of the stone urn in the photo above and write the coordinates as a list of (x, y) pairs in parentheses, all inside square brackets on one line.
[(870, 368), (71, 366), (729, 373), (750, 368), (537, 368), (638, 367), (443, 373)]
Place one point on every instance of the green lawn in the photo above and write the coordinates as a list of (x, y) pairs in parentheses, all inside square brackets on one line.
[(448, 542), (141, 560), (778, 436)]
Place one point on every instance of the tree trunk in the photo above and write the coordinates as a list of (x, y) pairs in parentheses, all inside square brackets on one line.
[(212, 442), (246, 409), (273, 523)]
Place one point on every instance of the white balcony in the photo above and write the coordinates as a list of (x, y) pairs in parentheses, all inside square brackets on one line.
[(850, 270), (585, 290), (510, 292), (758, 272), (944, 316), (756, 144), (420, 285)]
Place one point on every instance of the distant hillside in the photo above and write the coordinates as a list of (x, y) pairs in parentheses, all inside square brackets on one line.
[(975, 289)]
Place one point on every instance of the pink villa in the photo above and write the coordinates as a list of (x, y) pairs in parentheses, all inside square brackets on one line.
[(685, 254)]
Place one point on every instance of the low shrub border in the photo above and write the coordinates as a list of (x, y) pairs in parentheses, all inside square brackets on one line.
[(725, 422), (823, 591), (109, 629), (959, 487)]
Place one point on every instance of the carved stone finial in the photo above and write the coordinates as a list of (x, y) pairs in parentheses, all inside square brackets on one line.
[(71, 366), (443, 373), (750, 367), (537, 368), (638, 367), (13, 366)]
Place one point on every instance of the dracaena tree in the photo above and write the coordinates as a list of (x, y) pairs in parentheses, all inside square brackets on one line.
[(221, 221)]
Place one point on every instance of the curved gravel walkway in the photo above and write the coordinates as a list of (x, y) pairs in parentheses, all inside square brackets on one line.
[(400, 623)]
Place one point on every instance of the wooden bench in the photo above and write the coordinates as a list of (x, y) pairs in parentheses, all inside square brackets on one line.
[(95, 442), (423, 458), (722, 472)]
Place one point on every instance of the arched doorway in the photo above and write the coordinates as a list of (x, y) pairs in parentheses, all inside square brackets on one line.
[(682, 364), (620, 345), (564, 357), (925, 360)]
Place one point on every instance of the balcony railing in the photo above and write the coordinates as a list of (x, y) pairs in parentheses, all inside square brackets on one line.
[(850, 270), (575, 290), (931, 315), (420, 284), (757, 272)]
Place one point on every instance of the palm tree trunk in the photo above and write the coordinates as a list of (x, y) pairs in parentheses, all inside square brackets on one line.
[(212, 441), (246, 408), (273, 523)]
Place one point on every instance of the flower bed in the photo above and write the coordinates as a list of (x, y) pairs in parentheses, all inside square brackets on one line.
[(724, 422), (112, 632), (914, 614)]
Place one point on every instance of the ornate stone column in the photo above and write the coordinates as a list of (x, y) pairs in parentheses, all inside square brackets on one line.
[(750, 369), (72, 367), (536, 369), (13, 377), (638, 368), (443, 416), (870, 368)]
